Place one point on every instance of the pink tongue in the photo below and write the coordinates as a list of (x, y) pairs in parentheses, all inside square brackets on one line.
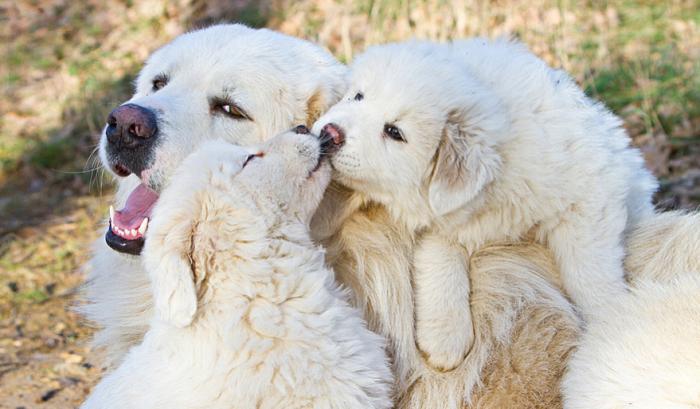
[(138, 207)]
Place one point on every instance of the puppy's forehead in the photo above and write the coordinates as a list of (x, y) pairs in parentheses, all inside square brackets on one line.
[(413, 67)]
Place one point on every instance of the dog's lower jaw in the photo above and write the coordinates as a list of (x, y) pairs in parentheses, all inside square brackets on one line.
[(122, 245)]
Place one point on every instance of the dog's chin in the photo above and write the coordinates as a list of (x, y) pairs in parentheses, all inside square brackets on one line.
[(122, 245)]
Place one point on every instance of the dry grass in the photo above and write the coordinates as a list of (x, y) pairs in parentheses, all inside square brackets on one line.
[(65, 64)]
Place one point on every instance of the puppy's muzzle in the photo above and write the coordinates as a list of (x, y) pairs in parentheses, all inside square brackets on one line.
[(131, 133), (332, 138)]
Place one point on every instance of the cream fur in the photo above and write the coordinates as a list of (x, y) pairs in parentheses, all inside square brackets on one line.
[(247, 314), (526, 330), (495, 144), (644, 353)]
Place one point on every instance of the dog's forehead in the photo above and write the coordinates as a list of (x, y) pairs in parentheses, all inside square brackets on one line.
[(221, 49)]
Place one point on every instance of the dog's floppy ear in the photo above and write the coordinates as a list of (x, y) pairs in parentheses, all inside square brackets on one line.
[(467, 159), (167, 257)]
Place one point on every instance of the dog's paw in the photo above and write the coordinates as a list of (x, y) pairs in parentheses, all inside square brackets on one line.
[(443, 350)]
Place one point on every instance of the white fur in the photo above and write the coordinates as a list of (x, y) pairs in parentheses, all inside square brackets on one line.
[(517, 315), (643, 353), (248, 316), (280, 81), (496, 144)]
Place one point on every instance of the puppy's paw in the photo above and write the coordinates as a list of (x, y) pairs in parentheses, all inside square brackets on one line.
[(443, 350)]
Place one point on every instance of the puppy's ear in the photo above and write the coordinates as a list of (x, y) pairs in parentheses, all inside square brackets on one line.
[(174, 291), (467, 159), (167, 258)]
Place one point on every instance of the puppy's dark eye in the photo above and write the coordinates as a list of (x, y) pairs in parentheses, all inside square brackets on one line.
[(229, 108), (159, 82), (394, 133), (359, 96)]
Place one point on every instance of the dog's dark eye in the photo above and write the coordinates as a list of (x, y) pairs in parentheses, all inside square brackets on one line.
[(251, 157), (248, 159), (159, 82), (394, 133), (359, 96), (229, 109)]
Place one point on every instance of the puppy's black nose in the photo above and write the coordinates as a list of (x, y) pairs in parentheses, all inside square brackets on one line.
[(129, 124), (332, 138), (301, 129)]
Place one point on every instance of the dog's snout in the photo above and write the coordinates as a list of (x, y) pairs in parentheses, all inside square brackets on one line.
[(131, 132), (130, 123), (301, 129), (332, 138)]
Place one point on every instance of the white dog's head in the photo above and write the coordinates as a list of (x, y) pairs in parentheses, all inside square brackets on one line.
[(283, 181), (226, 81), (416, 130), (230, 204)]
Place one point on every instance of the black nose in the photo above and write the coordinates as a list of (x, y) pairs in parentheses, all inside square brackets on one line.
[(129, 124), (332, 138), (131, 132), (301, 129)]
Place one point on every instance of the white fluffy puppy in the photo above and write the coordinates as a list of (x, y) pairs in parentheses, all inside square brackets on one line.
[(477, 142), (227, 81), (247, 313), (644, 353)]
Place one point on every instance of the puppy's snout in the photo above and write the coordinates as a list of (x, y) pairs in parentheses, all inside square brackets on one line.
[(332, 138)]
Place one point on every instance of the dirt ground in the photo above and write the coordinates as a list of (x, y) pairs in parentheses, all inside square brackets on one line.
[(66, 64), (44, 358)]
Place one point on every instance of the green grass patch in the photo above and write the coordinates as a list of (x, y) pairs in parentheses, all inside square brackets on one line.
[(54, 154), (33, 296)]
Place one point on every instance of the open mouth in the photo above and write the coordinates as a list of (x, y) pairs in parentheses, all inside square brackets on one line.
[(128, 226)]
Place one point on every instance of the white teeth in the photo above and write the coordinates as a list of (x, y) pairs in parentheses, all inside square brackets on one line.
[(133, 232), (143, 226), (111, 212)]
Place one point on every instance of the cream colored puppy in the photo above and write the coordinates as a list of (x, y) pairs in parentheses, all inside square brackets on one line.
[(479, 142), (247, 313)]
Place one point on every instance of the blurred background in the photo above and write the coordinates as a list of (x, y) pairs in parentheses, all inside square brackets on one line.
[(65, 64)]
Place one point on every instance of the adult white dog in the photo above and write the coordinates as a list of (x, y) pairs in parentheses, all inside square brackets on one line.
[(247, 313)]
